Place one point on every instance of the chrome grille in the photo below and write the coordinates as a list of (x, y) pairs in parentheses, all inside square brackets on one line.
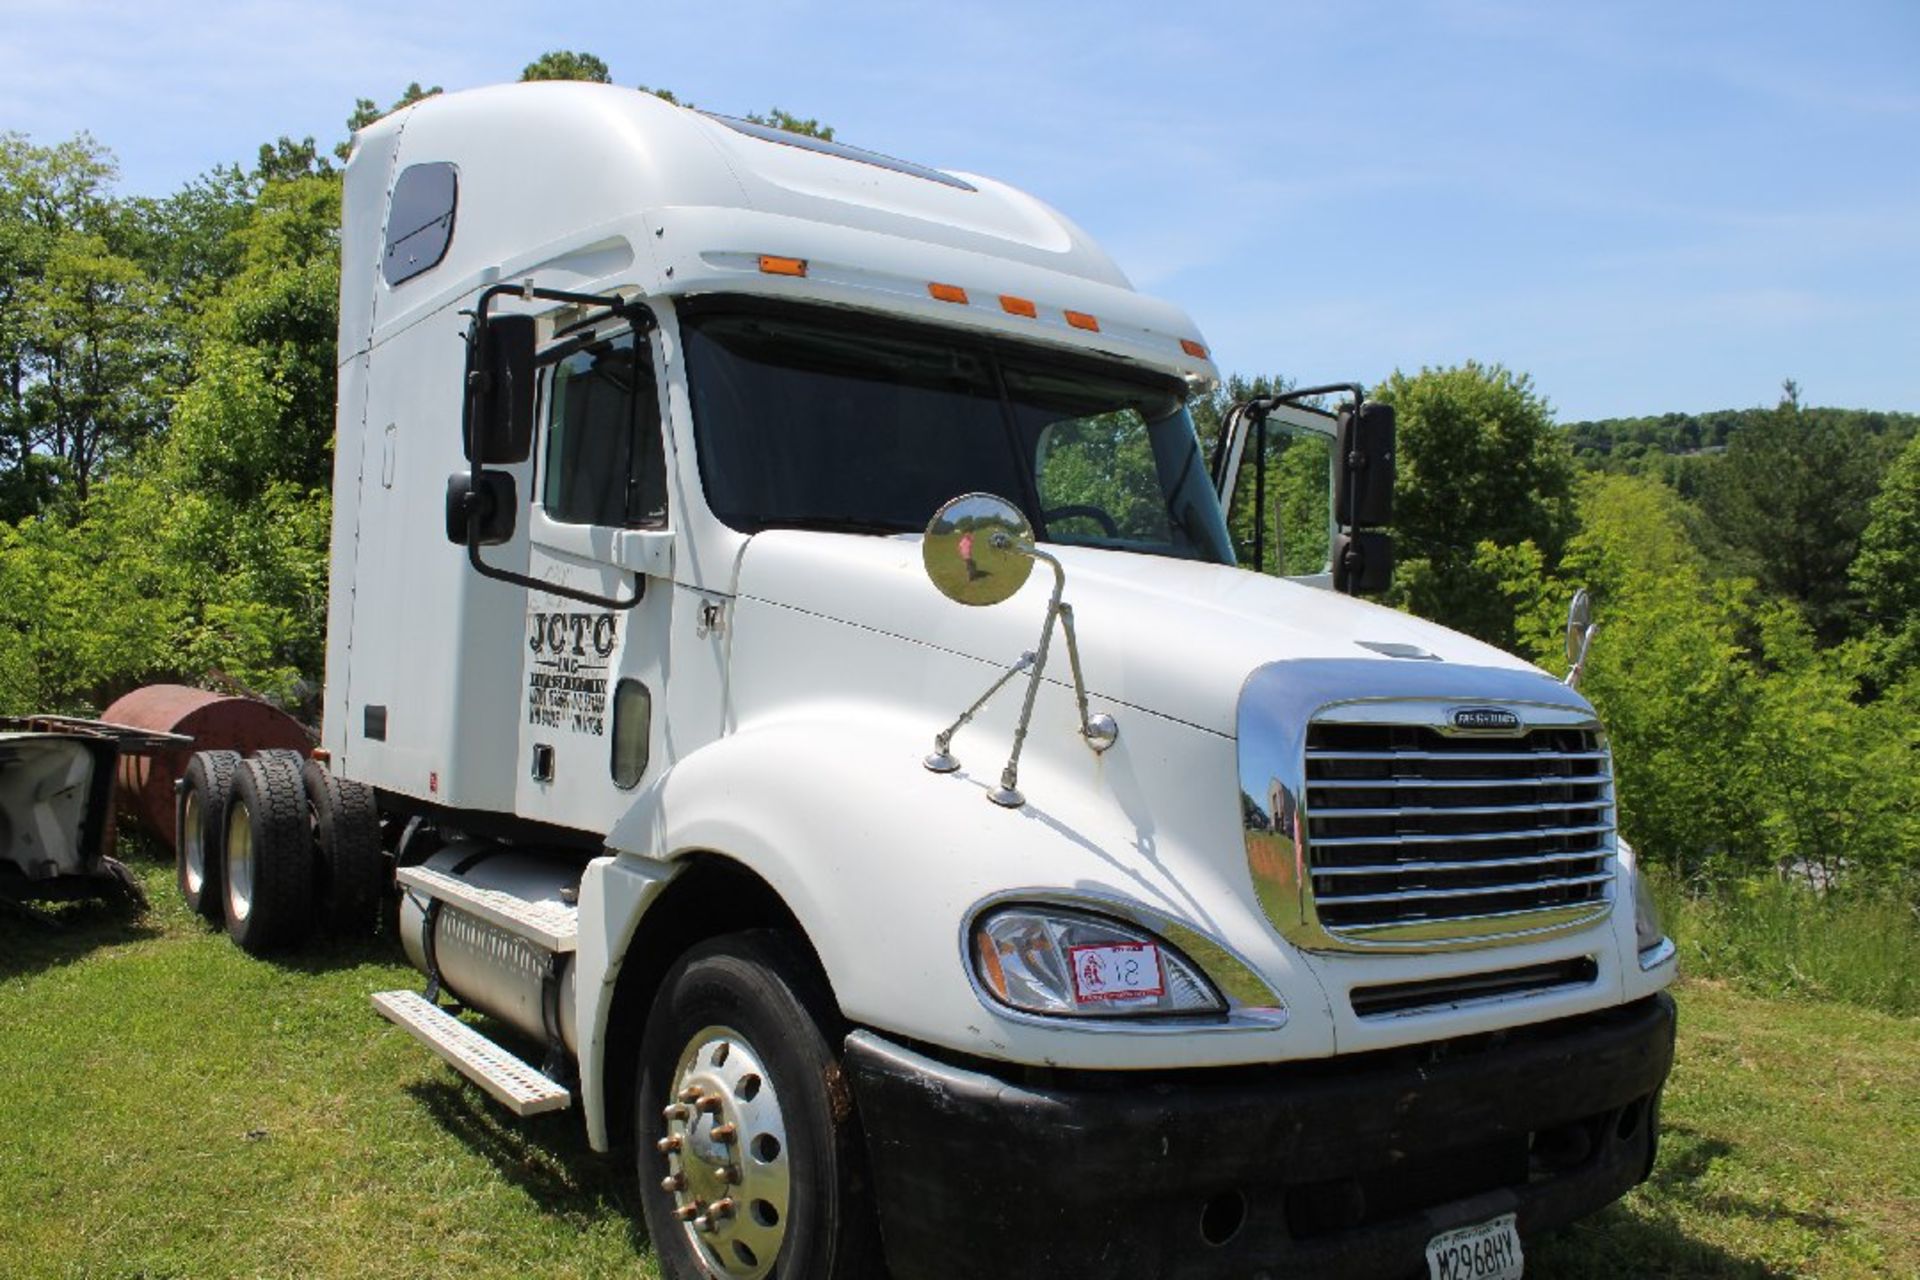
[(1414, 833)]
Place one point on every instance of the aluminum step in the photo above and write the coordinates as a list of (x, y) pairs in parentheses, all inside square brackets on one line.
[(551, 926), (523, 1090)]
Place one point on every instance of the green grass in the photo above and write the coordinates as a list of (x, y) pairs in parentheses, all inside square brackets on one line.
[(170, 1107), (1773, 938)]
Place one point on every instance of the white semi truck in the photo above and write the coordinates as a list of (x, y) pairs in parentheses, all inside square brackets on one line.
[(787, 654)]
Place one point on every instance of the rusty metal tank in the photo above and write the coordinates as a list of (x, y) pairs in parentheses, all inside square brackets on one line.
[(214, 721)]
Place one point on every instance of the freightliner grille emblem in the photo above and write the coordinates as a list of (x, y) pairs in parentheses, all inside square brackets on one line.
[(1486, 720)]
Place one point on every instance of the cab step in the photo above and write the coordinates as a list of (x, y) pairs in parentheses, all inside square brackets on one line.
[(523, 1090), (551, 926)]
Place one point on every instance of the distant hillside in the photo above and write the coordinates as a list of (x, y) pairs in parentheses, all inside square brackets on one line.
[(1616, 444)]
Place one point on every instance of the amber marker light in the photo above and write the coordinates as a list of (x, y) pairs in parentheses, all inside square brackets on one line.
[(1193, 348), (948, 293), (1017, 306), (782, 266), (1081, 320)]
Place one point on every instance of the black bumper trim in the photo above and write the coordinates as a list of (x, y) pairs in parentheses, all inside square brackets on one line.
[(1107, 1174)]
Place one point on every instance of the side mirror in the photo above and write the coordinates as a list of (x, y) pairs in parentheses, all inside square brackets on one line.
[(491, 497), (1362, 562), (1364, 495), (499, 412), (969, 550)]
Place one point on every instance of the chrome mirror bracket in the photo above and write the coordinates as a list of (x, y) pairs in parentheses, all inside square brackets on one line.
[(1008, 536)]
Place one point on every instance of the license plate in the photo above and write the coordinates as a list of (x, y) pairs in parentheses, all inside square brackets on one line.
[(1484, 1251)]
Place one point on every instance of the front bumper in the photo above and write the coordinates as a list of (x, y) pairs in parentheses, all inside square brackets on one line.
[(1341, 1167)]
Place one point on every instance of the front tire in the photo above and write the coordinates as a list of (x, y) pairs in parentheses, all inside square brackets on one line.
[(750, 1159)]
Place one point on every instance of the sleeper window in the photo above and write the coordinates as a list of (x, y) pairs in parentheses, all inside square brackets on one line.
[(604, 464)]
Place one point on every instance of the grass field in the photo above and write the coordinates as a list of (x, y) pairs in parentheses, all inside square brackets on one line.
[(172, 1108)]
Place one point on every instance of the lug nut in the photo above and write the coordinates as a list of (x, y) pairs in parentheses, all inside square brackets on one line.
[(709, 1104), (675, 1112), (727, 1174), (720, 1208), (669, 1144), (725, 1132), (674, 1182), (690, 1094), (703, 1223), (687, 1212)]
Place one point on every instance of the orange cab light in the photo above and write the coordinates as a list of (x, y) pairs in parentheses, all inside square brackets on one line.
[(782, 266), (1081, 320), (1017, 306), (1193, 348), (948, 293)]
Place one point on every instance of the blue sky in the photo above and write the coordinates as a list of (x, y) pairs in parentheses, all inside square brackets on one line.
[(1648, 207)]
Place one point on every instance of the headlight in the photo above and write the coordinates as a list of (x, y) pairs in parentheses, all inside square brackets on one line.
[(1647, 926), (1080, 966)]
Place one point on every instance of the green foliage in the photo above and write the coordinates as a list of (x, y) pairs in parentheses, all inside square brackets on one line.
[(1779, 938), (560, 64), (365, 112), (1479, 461), (1886, 574), (82, 343), (1787, 505), (1731, 760)]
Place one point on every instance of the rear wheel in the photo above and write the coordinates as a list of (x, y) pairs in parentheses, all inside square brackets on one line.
[(200, 829), (348, 860), (268, 868), (750, 1160)]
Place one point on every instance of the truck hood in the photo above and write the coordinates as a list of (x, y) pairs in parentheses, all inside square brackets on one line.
[(1174, 637)]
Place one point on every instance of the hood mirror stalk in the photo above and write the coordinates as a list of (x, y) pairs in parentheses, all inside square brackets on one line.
[(979, 550), (1580, 632)]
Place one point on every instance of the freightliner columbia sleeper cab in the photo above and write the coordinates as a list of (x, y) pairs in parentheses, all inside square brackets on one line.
[(788, 661)]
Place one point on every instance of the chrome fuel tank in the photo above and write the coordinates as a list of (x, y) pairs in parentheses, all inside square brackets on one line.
[(483, 965)]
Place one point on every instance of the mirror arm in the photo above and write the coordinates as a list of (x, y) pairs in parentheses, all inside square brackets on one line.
[(486, 570), (1098, 731), (941, 761)]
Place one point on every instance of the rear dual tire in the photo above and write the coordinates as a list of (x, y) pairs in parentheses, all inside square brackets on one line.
[(200, 830), (267, 872)]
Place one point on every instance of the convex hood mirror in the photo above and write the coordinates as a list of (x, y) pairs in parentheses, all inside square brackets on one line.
[(970, 551)]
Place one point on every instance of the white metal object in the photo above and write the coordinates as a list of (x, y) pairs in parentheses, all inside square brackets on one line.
[(523, 1090), (551, 926)]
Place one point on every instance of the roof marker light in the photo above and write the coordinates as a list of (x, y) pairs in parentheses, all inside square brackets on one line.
[(1081, 320), (1018, 306), (1193, 348), (948, 293), (782, 266)]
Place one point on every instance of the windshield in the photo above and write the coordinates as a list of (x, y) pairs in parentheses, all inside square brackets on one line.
[(817, 419)]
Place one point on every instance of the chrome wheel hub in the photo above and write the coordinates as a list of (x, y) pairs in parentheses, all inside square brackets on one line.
[(193, 845), (239, 862), (726, 1155)]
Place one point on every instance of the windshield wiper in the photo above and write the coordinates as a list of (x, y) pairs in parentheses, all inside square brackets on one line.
[(835, 524)]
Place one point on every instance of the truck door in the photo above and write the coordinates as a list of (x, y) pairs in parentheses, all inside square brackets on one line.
[(1275, 471), (597, 522)]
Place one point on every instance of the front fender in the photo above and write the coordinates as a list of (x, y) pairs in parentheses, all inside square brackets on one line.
[(883, 863)]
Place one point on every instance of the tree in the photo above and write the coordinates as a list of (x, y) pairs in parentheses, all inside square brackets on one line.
[(1886, 573), (81, 343), (559, 64), (1787, 504), (1479, 461), (365, 112)]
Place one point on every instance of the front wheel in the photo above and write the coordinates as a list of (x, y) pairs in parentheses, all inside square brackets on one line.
[(750, 1160)]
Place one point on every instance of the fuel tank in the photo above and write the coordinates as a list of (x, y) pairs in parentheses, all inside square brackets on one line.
[(483, 965)]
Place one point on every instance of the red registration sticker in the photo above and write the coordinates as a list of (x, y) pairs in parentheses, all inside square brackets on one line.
[(1118, 971)]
